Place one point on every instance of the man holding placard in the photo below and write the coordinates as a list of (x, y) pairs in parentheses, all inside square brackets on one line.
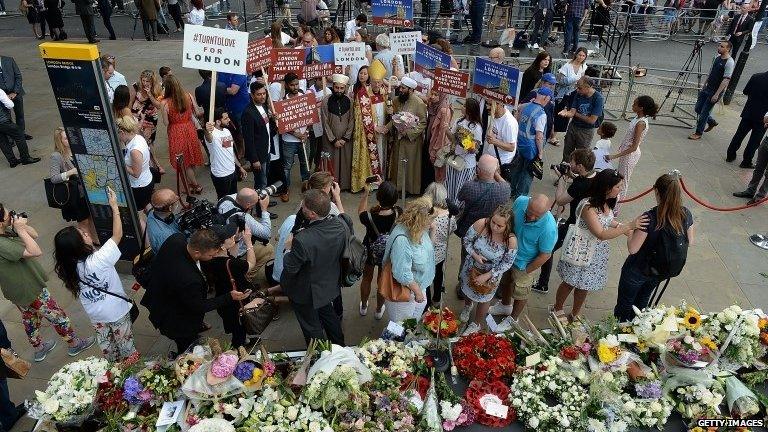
[(294, 141), (410, 136), (338, 125)]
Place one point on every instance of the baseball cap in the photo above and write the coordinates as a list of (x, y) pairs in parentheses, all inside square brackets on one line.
[(224, 232), (545, 91), (549, 77)]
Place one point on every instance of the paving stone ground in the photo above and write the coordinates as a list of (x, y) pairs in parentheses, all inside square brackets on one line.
[(723, 267)]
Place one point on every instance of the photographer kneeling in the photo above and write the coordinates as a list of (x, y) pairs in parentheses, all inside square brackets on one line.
[(240, 207), (162, 221), (579, 172)]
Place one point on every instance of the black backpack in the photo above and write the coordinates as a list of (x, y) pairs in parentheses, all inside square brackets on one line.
[(666, 258), (353, 258)]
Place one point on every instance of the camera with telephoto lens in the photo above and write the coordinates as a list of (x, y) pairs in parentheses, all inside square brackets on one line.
[(14, 214), (562, 168), (270, 190), (200, 215)]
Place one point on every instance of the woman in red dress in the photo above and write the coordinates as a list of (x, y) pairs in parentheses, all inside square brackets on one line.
[(179, 108)]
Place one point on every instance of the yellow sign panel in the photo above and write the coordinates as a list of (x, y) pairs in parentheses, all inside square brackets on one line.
[(69, 51)]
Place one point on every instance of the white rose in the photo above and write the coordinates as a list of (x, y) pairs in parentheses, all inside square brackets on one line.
[(688, 339), (50, 406), (533, 422), (608, 377), (564, 422), (655, 406), (629, 405)]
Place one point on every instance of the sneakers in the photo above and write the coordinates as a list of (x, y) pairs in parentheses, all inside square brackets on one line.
[(45, 348), (471, 328), (541, 289), (464, 317), (505, 325), (363, 310), (500, 309), (380, 314), (530, 46), (82, 345), (535, 46)]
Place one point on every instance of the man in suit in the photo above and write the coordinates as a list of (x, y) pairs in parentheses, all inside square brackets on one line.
[(258, 130), (312, 268), (760, 174), (10, 82), (84, 8), (740, 28), (751, 119), (11, 134)]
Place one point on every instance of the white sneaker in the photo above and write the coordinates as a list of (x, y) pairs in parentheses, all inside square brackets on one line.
[(535, 46), (471, 328), (529, 46), (500, 309), (363, 310), (505, 325), (380, 314), (464, 316)]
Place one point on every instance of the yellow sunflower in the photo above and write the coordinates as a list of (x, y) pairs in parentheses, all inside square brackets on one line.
[(692, 319), (709, 343)]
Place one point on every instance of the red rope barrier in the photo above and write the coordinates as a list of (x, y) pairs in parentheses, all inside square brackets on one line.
[(626, 200), (711, 207)]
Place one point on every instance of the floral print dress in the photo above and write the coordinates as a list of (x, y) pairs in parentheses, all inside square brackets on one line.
[(593, 276), (498, 259), (146, 114)]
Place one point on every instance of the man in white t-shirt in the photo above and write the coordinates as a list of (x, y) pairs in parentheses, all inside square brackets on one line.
[(501, 138), (224, 164), (352, 26)]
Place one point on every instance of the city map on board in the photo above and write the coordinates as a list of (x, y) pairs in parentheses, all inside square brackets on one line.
[(99, 172)]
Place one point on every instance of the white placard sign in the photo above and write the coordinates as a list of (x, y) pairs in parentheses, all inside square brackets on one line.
[(395, 328), (404, 43), (350, 53), (215, 49)]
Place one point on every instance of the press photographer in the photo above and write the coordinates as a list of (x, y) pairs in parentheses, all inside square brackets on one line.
[(162, 221), (572, 186)]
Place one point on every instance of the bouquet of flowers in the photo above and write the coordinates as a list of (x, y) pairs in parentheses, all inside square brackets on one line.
[(742, 402), (391, 411), (688, 351), (453, 410), (465, 138), (490, 402), (277, 411), (743, 329), (654, 326), (608, 349), (212, 425), (69, 398), (699, 400), (552, 379), (484, 357), (448, 325), (336, 392), (389, 357), (404, 121)]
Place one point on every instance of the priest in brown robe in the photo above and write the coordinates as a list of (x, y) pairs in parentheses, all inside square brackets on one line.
[(338, 125), (408, 145)]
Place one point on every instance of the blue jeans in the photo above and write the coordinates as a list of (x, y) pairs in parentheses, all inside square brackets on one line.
[(521, 178), (572, 27), (221, 6), (260, 177), (291, 149), (635, 289), (476, 13), (703, 108)]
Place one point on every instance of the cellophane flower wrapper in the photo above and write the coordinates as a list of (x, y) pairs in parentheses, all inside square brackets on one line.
[(404, 121), (196, 387), (742, 402), (69, 398)]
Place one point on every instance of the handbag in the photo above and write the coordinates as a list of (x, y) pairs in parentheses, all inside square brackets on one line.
[(579, 244), (142, 262), (156, 175), (505, 169), (256, 315), (389, 287), (60, 195), (481, 289), (442, 155), (134, 312), (15, 367)]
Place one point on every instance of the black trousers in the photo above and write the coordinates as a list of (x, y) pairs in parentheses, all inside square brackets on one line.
[(150, 29), (175, 11), (435, 291), (184, 342), (746, 126), (106, 17), (321, 324), (225, 185), (16, 135), (89, 27), (18, 111)]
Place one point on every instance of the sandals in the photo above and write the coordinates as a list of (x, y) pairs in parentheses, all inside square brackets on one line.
[(560, 315), (195, 189)]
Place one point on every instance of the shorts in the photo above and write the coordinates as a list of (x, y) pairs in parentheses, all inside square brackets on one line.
[(521, 281)]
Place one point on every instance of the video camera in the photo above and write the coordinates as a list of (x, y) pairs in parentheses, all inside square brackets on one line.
[(199, 216)]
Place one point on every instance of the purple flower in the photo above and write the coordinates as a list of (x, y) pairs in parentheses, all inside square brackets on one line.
[(649, 390), (689, 357), (244, 371), (131, 391)]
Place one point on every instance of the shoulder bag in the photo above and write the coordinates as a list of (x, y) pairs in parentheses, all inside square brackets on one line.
[(505, 169), (60, 195), (256, 315), (389, 287), (142, 262), (15, 367), (134, 308), (579, 244)]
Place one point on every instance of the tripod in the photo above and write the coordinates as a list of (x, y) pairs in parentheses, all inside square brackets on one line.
[(619, 41), (694, 59)]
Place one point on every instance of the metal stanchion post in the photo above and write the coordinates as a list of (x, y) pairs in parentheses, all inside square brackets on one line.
[(403, 176), (759, 240), (245, 18)]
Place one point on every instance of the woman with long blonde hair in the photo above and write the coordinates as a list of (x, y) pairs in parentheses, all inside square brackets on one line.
[(146, 97), (412, 255), (179, 108), (63, 169)]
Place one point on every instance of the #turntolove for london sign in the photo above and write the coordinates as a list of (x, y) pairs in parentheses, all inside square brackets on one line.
[(215, 49)]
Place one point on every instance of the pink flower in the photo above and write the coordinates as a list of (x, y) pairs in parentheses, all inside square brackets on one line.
[(449, 425)]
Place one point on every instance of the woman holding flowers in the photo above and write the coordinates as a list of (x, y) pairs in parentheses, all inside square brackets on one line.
[(635, 287), (466, 135), (491, 248), (410, 250), (594, 219), (90, 275)]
